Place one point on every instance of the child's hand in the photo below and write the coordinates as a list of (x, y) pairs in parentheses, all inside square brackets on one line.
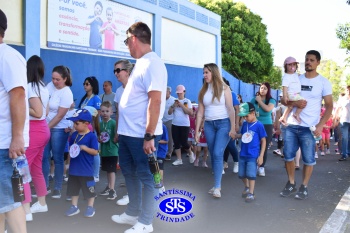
[(260, 160), (83, 147), (67, 130)]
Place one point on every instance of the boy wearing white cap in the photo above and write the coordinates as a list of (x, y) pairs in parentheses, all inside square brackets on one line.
[(291, 88)]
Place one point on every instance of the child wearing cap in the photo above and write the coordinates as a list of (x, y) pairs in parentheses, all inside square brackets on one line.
[(253, 137), (291, 88), (83, 147)]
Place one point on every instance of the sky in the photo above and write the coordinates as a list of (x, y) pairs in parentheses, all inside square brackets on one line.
[(296, 26)]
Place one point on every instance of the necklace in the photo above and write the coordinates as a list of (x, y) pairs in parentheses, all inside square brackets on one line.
[(86, 101)]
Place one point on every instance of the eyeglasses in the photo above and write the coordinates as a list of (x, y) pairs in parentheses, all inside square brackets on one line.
[(86, 84), (118, 70), (127, 39)]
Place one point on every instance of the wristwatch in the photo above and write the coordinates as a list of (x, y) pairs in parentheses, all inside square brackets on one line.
[(149, 137)]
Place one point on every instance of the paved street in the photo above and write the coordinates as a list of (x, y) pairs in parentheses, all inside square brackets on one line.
[(269, 213)]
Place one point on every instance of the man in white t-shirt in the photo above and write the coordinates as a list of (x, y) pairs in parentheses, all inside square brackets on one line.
[(14, 133), (167, 121), (314, 89), (140, 110)]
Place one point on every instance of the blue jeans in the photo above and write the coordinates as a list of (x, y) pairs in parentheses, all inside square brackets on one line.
[(345, 147), (97, 163), (134, 165), (6, 195), (216, 132), (298, 136), (247, 168), (56, 146), (232, 149)]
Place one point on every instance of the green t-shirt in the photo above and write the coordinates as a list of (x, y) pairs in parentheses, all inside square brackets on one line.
[(108, 148), (264, 117)]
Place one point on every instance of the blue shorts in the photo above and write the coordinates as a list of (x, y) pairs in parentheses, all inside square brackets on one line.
[(247, 168), (299, 136), (6, 195)]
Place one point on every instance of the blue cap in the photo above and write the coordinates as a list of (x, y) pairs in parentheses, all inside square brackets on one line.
[(81, 115)]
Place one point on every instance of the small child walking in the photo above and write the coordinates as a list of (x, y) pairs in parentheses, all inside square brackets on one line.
[(109, 149), (83, 147), (253, 137)]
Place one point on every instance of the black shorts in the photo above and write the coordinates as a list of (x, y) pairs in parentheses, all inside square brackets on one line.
[(109, 164), (161, 163), (85, 183)]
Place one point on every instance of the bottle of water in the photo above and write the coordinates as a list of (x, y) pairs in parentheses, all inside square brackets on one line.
[(313, 128), (23, 168), (17, 186)]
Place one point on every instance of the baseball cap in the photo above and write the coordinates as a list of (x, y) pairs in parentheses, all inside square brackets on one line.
[(180, 89), (290, 60), (93, 111), (3, 20), (246, 108), (81, 115)]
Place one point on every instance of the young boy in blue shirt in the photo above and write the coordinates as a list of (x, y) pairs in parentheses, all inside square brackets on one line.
[(253, 136), (83, 147)]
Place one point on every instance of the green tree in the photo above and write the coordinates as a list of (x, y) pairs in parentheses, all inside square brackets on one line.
[(334, 74), (246, 52), (343, 33), (275, 77)]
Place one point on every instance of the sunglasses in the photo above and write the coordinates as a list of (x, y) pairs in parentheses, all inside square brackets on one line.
[(118, 70), (127, 39), (86, 84)]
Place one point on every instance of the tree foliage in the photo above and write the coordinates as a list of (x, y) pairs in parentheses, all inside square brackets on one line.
[(335, 74), (246, 52), (343, 33)]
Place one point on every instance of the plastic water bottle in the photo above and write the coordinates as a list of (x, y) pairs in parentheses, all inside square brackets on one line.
[(313, 128), (23, 168), (17, 186), (154, 167)]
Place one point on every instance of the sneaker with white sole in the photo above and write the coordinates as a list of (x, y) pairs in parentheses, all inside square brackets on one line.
[(211, 191), (29, 217), (73, 210), (89, 212), (125, 219), (105, 192), (56, 194), (192, 157), (223, 171), (140, 228), (277, 152), (111, 194), (217, 193), (235, 167), (322, 153), (123, 201), (177, 162), (316, 155), (196, 163), (328, 152), (38, 208), (225, 165), (261, 171)]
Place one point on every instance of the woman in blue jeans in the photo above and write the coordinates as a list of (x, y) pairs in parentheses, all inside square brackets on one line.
[(343, 114), (61, 98), (215, 103)]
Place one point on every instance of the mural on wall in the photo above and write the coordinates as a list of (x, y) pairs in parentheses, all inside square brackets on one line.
[(92, 26)]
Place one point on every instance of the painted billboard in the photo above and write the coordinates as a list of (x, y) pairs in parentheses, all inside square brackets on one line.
[(92, 26)]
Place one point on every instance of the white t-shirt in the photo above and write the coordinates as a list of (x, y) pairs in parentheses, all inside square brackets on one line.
[(44, 96), (181, 118), (13, 73), (169, 102), (313, 90), (118, 94), (214, 110), (59, 98), (291, 81), (344, 104), (149, 74)]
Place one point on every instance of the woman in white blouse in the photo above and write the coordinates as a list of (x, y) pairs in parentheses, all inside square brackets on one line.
[(61, 98), (215, 107)]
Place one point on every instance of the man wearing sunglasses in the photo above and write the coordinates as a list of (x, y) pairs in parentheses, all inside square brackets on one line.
[(141, 110)]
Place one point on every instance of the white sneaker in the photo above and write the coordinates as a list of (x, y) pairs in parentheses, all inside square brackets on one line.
[(162, 190), (328, 152), (223, 171), (29, 217), (322, 153), (316, 155), (97, 179), (235, 167), (261, 171), (38, 208), (140, 228), (217, 193), (177, 162), (125, 219), (192, 157), (123, 201)]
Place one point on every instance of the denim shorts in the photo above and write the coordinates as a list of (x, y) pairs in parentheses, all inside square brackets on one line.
[(247, 168), (6, 195), (299, 136)]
